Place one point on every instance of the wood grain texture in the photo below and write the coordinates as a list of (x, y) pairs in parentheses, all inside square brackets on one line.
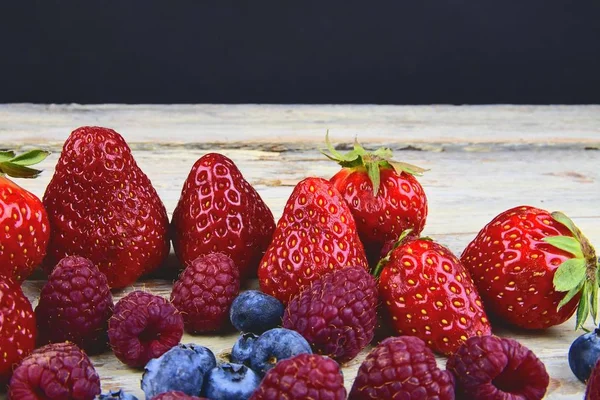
[(482, 160)]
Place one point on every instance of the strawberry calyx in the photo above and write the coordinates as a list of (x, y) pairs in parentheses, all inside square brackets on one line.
[(401, 239), (18, 166), (372, 162), (579, 274)]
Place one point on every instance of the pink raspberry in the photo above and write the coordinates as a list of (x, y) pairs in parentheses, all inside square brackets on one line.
[(493, 368), (143, 326), (205, 291), (55, 371), (75, 305)]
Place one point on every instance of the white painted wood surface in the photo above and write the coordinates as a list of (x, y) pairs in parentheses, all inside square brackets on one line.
[(482, 160)]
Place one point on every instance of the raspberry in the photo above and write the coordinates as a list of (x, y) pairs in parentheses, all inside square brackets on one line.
[(177, 396), (75, 305), (55, 371), (305, 376), (205, 291), (336, 313), (489, 367), (592, 391), (402, 368), (143, 326), (17, 327)]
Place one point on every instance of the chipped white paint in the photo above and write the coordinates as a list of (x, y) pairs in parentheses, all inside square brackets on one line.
[(482, 160)]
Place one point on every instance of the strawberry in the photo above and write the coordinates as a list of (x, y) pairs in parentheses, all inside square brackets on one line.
[(384, 196), (219, 211), (316, 234), (428, 293), (23, 219), (102, 207), (533, 268), (17, 327)]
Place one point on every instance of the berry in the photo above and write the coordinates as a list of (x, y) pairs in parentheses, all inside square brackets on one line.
[(23, 219), (205, 291), (583, 354), (337, 313), (143, 326), (55, 371), (75, 305), (401, 368), (316, 234), (17, 327), (219, 211), (531, 267), (230, 381), (256, 312), (384, 196), (592, 390), (243, 348), (117, 395), (489, 367), (428, 293), (275, 345), (182, 368), (177, 395), (304, 376), (101, 206)]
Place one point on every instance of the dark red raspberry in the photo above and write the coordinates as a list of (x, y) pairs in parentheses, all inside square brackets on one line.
[(592, 390), (401, 368), (336, 314), (143, 326), (55, 371), (205, 291), (305, 376), (75, 305), (17, 327), (493, 368), (176, 396)]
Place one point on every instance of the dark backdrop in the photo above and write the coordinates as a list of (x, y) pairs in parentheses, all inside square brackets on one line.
[(396, 52)]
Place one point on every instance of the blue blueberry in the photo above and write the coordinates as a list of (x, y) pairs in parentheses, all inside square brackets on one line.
[(242, 349), (583, 354), (230, 381), (274, 345), (181, 368), (117, 395), (256, 312)]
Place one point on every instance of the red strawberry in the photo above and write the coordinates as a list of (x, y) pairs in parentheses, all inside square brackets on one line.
[(23, 219), (384, 196), (219, 211), (17, 327), (525, 260), (428, 293), (103, 207), (316, 234)]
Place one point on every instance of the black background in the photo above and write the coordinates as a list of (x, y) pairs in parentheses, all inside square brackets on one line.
[(401, 52)]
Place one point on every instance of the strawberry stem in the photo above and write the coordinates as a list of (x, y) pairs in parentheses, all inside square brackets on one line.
[(386, 259)]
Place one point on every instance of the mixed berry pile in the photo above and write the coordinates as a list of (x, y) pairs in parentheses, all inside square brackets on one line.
[(344, 268)]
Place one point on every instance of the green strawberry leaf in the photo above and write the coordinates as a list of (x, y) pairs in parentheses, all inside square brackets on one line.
[(560, 217), (566, 243), (6, 155), (373, 172), (18, 171), (400, 167), (584, 307), (569, 296), (385, 153), (569, 274), (30, 158), (594, 301)]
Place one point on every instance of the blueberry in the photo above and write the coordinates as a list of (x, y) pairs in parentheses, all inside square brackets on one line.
[(583, 354), (256, 312), (230, 381), (117, 395), (274, 345), (181, 368), (242, 349)]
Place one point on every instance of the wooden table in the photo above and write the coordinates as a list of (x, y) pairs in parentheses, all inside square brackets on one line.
[(482, 160)]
